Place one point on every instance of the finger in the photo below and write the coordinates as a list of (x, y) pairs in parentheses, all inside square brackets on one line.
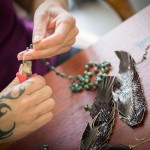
[(47, 53), (33, 84), (71, 36), (43, 119), (45, 107), (41, 20), (41, 95), (63, 28), (65, 49)]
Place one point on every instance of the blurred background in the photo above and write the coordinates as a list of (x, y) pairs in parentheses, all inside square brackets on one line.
[(95, 18)]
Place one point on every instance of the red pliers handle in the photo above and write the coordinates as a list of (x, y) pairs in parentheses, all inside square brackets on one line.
[(21, 77)]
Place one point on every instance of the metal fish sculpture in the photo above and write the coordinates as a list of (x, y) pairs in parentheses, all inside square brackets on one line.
[(129, 94), (97, 133), (115, 147)]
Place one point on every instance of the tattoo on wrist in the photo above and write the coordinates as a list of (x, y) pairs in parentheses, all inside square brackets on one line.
[(8, 96)]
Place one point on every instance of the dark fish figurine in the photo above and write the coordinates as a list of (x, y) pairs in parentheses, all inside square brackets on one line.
[(129, 94), (97, 133), (115, 147)]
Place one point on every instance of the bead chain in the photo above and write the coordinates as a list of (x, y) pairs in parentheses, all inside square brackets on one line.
[(84, 81)]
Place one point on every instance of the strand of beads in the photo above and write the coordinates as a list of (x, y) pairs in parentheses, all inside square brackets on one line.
[(52, 68), (84, 81)]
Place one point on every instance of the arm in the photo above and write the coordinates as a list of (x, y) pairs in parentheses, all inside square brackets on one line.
[(31, 5), (23, 110), (54, 30)]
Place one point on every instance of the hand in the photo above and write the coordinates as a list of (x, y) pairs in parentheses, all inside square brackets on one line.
[(54, 32), (24, 108)]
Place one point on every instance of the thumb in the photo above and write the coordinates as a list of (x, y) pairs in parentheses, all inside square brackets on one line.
[(40, 25)]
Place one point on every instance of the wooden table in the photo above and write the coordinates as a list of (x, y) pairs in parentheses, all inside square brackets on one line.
[(65, 131)]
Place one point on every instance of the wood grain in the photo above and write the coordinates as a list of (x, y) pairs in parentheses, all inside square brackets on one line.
[(65, 131)]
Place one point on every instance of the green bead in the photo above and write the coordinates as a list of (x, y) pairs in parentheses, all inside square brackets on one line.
[(103, 70), (106, 70), (96, 70), (90, 63), (87, 87), (52, 68), (85, 72), (47, 64), (86, 80), (96, 64), (63, 75), (75, 87), (98, 79), (79, 77), (57, 73), (89, 74), (96, 83), (86, 77), (103, 75), (87, 67), (79, 88), (82, 84), (101, 65), (86, 106), (70, 77), (90, 106)]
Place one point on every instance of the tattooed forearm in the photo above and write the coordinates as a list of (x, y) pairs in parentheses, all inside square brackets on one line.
[(9, 96), (3, 105), (9, 132), (6, 134)]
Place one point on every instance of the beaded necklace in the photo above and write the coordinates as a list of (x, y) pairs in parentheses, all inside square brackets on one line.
[(84, 81)]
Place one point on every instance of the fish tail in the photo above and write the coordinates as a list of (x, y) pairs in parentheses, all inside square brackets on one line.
[(126, 61)]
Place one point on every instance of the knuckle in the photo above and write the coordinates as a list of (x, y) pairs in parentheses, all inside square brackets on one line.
[(71, 20), (39, 80), (26, 102), (60, 39), (67, 49), (41, 14), (48, 90), (52, 103), (76, 31), (49, 116)]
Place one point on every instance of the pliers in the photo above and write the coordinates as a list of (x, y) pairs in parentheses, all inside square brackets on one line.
[(25, 71)]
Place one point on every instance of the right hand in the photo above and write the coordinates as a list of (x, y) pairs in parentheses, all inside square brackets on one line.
[(24, 108)]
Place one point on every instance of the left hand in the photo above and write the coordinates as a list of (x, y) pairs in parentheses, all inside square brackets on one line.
[(54, 32)]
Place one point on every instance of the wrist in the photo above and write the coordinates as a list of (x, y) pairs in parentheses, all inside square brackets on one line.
[(57, 3)]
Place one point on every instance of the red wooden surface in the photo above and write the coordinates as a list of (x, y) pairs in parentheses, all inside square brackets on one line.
[(65, 130)]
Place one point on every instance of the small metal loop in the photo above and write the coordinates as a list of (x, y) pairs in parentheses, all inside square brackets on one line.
[(144, 55)]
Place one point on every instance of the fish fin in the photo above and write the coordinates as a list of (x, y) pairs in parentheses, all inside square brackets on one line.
[(104, 93), (126, 61), (104, 96), (115, 147), (89, 135)]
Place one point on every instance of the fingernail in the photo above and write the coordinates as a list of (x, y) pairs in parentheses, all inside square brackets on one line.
[(36, 38)]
